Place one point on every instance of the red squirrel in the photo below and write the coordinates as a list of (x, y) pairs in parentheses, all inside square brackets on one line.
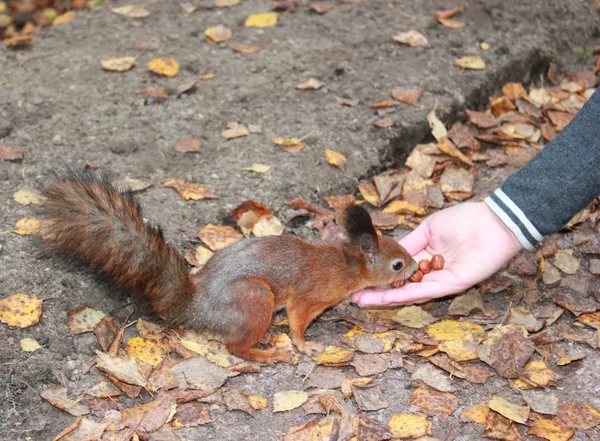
[(235, 294)]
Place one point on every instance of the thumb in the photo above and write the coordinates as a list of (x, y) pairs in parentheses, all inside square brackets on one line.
[(416, 241)]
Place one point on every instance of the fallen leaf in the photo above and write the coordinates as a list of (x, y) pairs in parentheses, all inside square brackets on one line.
[(310, 84), (27, 226), (477, 413), (460, 349), (473, 63), (559, 119), (201, 374), (146, 350), (411, 38), (550, 430), (57, 396), (218, 237), (369, 364), (288, 400), (450, 23), (235, 399), (149, 417), (262, 20), (421, 163), (457, 183), (258, 168), (65, 18), (245, 48), (132, 11), (320, 8), (235, 132), (124, 368), (383, 123), (335, 356), (566, 262), (446, 146), (565, 358), (415, 425), (27, 196), (11, 153), (369, 193), (574, 301), (434, 403), (578, 416), (165, 66), (382, 104), (408, 95), (513, 412), (189, 191), (218, 34), (503, 105), (541, 401), (434, 378), (29, 344), (453, 330), (506, 350), (226, 3), (481, 120), (370, 397), (107, 331), (82, 429), (20, 310), (335, 158), (84, 319), (187, 146), (464, 304), (268, 226), (523, 317), (117, 64), (550, 274), (438, 130), (499, 427), (414, 317), (103, 389)]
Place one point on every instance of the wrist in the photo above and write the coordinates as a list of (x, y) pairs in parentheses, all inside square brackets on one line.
[(497, 222), (513, 222)]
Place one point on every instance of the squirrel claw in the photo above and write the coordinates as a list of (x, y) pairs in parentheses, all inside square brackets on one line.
[(311, 348)]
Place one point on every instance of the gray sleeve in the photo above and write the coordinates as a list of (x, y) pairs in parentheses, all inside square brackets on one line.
[(555, 185)]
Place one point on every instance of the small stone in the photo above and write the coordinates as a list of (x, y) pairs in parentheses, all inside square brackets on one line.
[(6, 128), (123, 146), (57, 140)]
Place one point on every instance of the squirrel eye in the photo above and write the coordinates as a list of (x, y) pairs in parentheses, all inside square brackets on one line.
[(397, 266)]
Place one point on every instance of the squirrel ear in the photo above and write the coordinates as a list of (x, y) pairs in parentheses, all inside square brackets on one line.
[(359, 225)]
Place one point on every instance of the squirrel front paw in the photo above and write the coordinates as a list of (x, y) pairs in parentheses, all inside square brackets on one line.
[(311, 348)]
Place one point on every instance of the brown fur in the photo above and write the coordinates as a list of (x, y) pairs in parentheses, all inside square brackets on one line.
[(236, 292)]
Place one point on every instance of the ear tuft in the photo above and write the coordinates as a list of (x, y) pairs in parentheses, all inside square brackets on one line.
[(358, 223)]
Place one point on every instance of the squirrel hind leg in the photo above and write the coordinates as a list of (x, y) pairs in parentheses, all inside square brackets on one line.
[(255, 302)]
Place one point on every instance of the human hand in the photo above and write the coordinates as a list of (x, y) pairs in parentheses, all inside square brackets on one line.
[(474, 242)]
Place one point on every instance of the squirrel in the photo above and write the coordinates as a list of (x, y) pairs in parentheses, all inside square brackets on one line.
[(235, 294)]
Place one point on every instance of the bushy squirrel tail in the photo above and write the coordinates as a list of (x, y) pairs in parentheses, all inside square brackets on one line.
[(87, 217)]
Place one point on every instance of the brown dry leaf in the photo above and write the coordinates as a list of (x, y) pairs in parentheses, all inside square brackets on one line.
[(566, 262), (187, 146), (84, 319), (132, 11), (132, 185), (498, 427), (461, 349), (218, 34), (446, 146), (11, 153), (450, 23), (574, 301), (578, 416), (107, 331), (226, 3), (592, 319), (218, 237), (268, 226), (462, 137), (414, 317), (477, 413), (201, 374), (502, 105), (367, 365), (65, 18), (153, 95), (83, 429), (413, 425), (403, 207), (541, 401), (245, 48), (408, 95), (261, 20), (434, 403), (565, 358), (165, 66), (335, 158), (188, 190), (389, 184), (522, 316), (27, 226), (411, 38), (57, 396), (103, 389), (421, 163), (117, 64), (472, 62), (465, 304), (27, 196), (320, 8), (125, 369), (20, 310), (312, 431), (149, 417), (335, 356), (383, 123), (310, 84), (513, 412), (453, 330), (506, 350), (235, 132), (146, 350), (370, 397), (559, 119), (288, 399), (481, 120), (457, 182), (17, 41), (369, 193), (382, 104), (236, 399), (438, 130), (550, 430), (433, 377)]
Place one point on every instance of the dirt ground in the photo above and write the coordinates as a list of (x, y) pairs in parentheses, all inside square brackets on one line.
[(60, 107)]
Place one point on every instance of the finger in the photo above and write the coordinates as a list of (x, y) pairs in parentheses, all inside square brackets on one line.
[(419, 292), (416, 241), (368, 297)]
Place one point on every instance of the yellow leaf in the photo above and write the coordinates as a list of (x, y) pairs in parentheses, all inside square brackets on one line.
[(165, 66), (64, 18), (413, 425), (438, 130), (268, 226), (518, 414), (27, 226), (189, 191), (474, 63), (369, 193), (226, 3), (218, 237), (245, 48), (403, 207), (287, 142), (218, 34), (335, 356), (461, 349), (20, 310), (258, 402), (453, 330), (477, 413), (132, 11), (310, 84), (29, 344), (484, 46), (84, 319), (236, 132), (550, 430), (414, 317), (411, 38), (335, 158), (115, 63), (28, 196), (258, 168), (262, 20), (146, 350), (288, 400)]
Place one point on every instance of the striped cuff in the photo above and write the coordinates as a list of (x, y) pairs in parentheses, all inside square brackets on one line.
[(514, 218)]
